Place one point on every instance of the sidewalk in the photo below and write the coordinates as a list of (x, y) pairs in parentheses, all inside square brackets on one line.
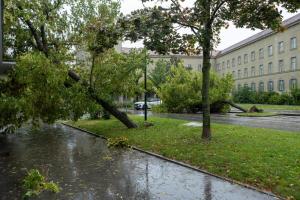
[(86, 169)]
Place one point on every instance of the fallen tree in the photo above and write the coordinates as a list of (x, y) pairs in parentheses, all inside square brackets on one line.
[(236, 106), (107, 106)]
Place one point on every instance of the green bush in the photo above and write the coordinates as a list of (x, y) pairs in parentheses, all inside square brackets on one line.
[(182, 91), (296, 96), (245, 95), (159, 108), (118, 142), (34, 183)]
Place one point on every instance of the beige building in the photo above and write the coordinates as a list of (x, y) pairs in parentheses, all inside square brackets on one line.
[(267, 61)]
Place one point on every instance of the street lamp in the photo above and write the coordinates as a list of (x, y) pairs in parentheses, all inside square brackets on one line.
[(4, 66)]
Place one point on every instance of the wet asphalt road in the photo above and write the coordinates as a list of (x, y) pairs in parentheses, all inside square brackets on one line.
[(86, 169), (287, 123)]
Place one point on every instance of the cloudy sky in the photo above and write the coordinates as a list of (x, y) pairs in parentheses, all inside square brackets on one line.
[(228, 36)]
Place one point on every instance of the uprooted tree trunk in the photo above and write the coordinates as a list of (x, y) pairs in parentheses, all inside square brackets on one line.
[(111, 109), (236, 106)]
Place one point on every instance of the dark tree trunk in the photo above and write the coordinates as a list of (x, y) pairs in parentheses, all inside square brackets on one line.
[(111, 109), (206, 131)]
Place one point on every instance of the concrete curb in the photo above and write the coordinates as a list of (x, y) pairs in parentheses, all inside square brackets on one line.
[(184, 164)]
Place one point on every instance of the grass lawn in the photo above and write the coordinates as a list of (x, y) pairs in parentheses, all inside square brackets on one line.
[(270, 107), (264, 158), (263, 114)]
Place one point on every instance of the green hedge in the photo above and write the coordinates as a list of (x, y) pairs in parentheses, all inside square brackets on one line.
[(245, 95)]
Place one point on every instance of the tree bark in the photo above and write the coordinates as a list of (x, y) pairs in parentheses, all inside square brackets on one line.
[(206, 131), (207, 37), (236, 106), (111, 109)]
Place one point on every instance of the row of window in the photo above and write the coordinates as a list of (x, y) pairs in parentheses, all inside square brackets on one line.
[(261, 70), (281, 49), (270, 85)]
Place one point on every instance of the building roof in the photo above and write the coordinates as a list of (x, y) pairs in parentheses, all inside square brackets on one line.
[(154, 54), (259, 36)]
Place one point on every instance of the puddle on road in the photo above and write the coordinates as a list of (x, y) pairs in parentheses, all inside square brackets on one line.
[(86, 169)]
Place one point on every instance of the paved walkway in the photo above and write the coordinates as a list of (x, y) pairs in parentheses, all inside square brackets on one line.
[(86, 169), (287, 123)]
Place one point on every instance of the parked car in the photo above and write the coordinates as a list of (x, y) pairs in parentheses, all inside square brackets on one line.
[(140, 105)]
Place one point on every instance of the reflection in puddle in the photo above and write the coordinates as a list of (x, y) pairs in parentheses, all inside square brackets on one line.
[(87, 170)]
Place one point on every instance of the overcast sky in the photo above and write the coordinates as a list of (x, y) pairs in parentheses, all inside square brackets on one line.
[(228, 36)]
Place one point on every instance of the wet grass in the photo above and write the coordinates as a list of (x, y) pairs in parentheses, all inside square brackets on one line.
[(263, 114), (265, 158), (271, 107)]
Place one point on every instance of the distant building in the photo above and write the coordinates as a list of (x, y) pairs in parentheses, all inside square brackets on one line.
[(267, 61)]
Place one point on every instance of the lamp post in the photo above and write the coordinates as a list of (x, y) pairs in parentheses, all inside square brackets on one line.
[(145, 87)]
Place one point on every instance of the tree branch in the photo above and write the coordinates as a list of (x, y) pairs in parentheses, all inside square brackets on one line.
[(44, 40), (216, 9)]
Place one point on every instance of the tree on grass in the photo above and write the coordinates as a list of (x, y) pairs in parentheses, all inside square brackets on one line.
[(158, 27)]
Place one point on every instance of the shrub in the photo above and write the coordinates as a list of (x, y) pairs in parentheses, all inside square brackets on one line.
[(182, 91), (159, 109), (34, 183), (295, 93), (118, 142), (245, 95)]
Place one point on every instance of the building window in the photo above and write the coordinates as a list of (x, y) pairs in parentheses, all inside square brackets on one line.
[(246, 85), (261, 87), (281, 85), (246, 58), (293, 43), (293, 63), (233, 62), (239, 74), (246, 72), (261, 53), (252, 71), (228, 64), (280, 47), (233, 74), (199, 67), (270, 86), (218, 67), (270, 68), (239, 60), (239, 87), (280, 66), (189, 67), (270, 50), (293, 84), (253, 56), (253, 87), (261, 70)]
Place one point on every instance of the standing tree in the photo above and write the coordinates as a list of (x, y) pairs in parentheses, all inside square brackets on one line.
[(158, 27)]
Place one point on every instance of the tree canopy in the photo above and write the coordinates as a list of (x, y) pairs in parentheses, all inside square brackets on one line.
[(44, 37), (158, 27)]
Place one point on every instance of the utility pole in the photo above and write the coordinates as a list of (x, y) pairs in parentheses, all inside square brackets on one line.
[(145, 87)]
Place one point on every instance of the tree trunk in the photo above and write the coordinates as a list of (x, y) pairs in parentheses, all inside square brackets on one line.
[(206, 131), (236, 106), (111, 109)]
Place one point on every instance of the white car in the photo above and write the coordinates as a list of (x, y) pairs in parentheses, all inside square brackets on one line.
[(140, 105)]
